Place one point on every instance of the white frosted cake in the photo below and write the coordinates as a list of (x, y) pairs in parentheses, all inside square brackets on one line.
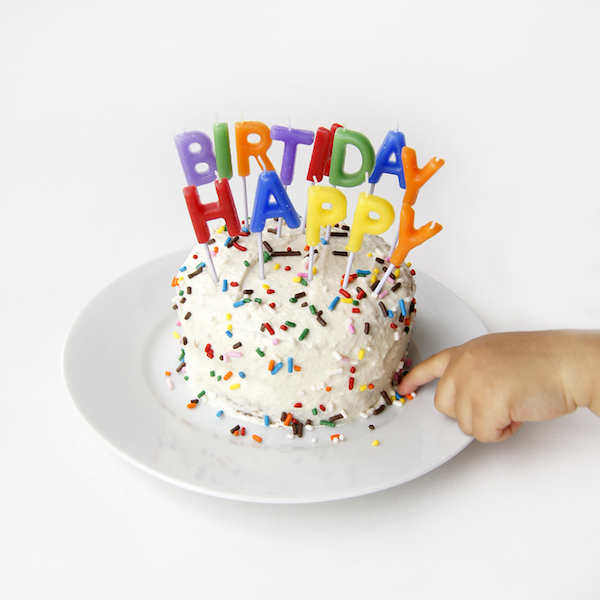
[(280, 348)]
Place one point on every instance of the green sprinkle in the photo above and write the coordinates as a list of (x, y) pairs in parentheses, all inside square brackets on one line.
[(246, 300), (260, 352), (314, 411), (313, 310), (293, 300), (218, 378), (181, 292), (212, 373), (266, 256), (290, 324), (328, 423), (355, 302), (303, 334), (182, 355), (303, 281), (201, 394), (246, 263), (185, 377), (259, 300)]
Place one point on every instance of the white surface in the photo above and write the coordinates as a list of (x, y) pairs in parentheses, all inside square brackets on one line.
[(91, 97), (118, 384)]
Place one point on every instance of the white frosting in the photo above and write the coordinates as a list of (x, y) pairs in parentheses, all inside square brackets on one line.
[(325, 355)]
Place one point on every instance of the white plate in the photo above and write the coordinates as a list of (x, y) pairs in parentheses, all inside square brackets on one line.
[(114, 362)]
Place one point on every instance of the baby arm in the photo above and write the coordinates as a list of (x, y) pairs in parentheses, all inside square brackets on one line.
[(492, 384)]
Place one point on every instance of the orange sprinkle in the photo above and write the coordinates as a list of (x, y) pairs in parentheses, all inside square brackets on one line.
[(306, 248), (257, 438), (216, 249), (371, 386), (407, 322), (409, 396), (288, 419), (168, 373), (236, 432), (191, 405), (297, 368), (174, 282), (227, 376), (328, 388), (335, 435), (271, 365)]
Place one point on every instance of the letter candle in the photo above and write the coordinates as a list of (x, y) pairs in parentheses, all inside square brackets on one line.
[(291, 139), (317, 216), (222, 150), (245, 149), (408, 236), (269, 186), (364, 223)]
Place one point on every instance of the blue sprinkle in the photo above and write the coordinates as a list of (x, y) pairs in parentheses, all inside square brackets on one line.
[(402, 307), (202, 264), (220, 413), (398, 396), (334, 303), (227, 240), (245, 230), (182, 269), (228, 333), (324, 241), (362, 272), (238, 303), (276, 368), (224, 285), (290, 364), (242, 374), (267, 421), (390, 314)]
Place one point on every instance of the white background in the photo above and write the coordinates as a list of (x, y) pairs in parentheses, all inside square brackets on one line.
[(91, 95)]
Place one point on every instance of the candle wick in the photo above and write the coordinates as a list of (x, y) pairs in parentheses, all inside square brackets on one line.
[(315, 182)]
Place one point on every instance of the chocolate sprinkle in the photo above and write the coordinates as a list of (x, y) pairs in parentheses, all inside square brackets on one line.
[(375, 285), (249, 292), (184, 341), (267, 246), (386, 397), (339, 234), (340, 253), (182, 301), (188, 290), (283, 415), (237, 345), (234, 429), (383, 309), (336, 418), (304, 304), (300, 295), (187, 316), (181, 365), (286, 253), (272, 230), (321, 321), (367, 327), (379, 410), (196, 272), (300, 428), (211, 241), (371, 426), (396, 287), (346, 227), (379, 260)]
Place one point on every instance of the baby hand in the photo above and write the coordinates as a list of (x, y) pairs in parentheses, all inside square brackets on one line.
[(494, 383)]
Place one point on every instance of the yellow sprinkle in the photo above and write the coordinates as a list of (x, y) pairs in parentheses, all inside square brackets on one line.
[(397, 273), (409, 265), (375, 443), (375, 270), (369, 254), (228, 316), (296, 279), (363, 388), (401, 399), (234, 386), (230, 326), (361, 354), (221, 229), (373, 278), (346, 300), (314, 270), (266, 286), (176, 335), (180, 279), (276, 266)]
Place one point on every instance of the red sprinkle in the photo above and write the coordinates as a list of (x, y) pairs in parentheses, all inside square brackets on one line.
[(352, 369), (272, 304), (360, 295), (270, 291), (298, 405), (194, 256), (413, 272), (356, 310), (244, 233), (289, 249), (344, 293), (207, 348), (243, 431), (322, 407), (351, 383), (242, 248), (393, 326), (283, 327), (288, 268), (269, 329)]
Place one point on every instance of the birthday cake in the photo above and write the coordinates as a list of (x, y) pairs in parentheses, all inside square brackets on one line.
[(263, 349), (307, 323)]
